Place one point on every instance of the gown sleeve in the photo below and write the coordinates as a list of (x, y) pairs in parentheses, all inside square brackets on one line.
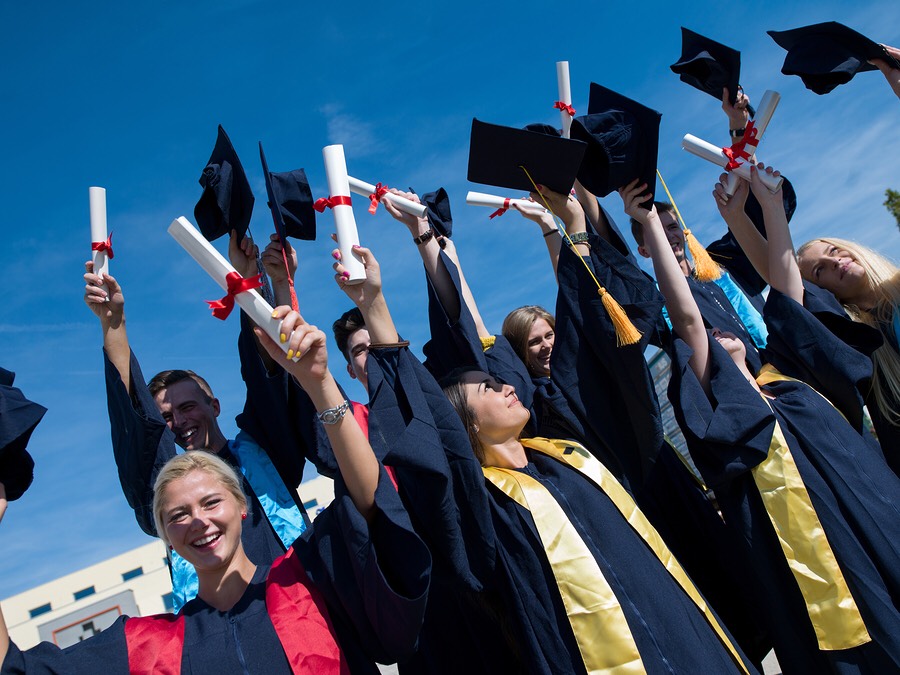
[(608, 387), (802, 346), (141, 441), (374, 576), (106, 652), (437, 472), (729, 431)]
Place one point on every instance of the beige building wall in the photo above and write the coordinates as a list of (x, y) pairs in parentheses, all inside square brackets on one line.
[(135, 583)]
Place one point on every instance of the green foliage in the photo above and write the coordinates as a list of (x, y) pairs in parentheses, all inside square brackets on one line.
[(892, 203)]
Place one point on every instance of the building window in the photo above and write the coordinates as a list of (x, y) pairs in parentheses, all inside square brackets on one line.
[(169, 602), (84, 592), (37, 611), (131, 574), (310, 504)]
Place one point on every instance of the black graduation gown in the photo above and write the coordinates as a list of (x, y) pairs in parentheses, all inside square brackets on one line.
[(142, 443), (503, 553), (856, 498), (374, 579), (603, 396)]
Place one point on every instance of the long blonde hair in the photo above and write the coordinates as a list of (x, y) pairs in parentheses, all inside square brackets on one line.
[(883, 278), (179, 467), (517, 325)]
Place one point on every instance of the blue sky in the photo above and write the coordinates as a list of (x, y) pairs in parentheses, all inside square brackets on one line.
[(128, 95)]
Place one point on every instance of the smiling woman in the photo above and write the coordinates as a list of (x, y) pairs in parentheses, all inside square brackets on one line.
[(322, 602)]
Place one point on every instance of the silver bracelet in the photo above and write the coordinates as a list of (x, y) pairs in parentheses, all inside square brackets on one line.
[(334, 415)]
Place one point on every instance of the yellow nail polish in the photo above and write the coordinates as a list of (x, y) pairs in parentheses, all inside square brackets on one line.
[(290, 354), (275, 314), (283, 337)]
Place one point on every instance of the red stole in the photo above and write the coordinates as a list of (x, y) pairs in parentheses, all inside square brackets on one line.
[(361, 414), (296, 609)]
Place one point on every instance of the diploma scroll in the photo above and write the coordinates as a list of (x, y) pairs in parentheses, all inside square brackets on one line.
[(565, 95), (216, 266), (345, 223), (97, 199), (407, 206), (495, 202), (713, 153), (763, 116)]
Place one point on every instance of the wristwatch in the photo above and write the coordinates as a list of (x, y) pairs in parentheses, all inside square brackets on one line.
[(334, 415)]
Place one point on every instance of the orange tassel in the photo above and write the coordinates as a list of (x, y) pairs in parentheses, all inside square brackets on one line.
[(705, 268), (626, 332)]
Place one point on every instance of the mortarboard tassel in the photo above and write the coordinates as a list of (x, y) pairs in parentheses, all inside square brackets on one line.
[(705, 268), (626, 332)]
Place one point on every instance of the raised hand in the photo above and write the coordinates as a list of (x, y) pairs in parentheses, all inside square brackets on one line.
[(273, 260), (634, 195), (766, 198), (242, 255), (739, 113), (364, 294), (566, 207), (730, 206), (305, 342), (108, 305)]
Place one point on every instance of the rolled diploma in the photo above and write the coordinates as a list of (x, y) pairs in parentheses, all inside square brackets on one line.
[(365, 189), (495, 202), (565, 94), (713, 153), (97, 199), (763, 116), (259, 311), (345, 223)]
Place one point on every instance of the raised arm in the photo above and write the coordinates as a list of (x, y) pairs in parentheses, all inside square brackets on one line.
[(784, 273), (738, 114), (368, 297), (109, 307), (683, 312), (544, 219), (356, 460), (731, 208)]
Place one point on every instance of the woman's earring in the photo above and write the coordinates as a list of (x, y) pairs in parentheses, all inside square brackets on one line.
[(475, 428), (243, 516)]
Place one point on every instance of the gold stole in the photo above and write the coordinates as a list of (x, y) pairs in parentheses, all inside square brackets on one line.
[(595, 615), (829, 603)]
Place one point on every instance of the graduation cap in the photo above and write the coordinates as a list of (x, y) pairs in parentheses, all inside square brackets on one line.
[(623, 142), (500, 156), (291, 202), (227, 200), (438, 212), (708, 65), (825, 55), (18, 418), (542, 128)]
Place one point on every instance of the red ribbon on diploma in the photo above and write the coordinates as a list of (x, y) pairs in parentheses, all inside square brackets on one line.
[(330, 202), (235, 284), (375, 197), (559, 105), (503, 209), (104, 246), (738, 151)]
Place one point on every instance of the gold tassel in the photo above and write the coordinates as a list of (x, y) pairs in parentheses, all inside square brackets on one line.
[(626, 332), (705, 268)]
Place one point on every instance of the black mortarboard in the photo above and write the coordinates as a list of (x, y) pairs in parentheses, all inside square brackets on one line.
[(541, 128), (438, 213), (498, 154), (623, 142), (825, 55), (227, 200), (291, 202), (18, 418), (708, 65)]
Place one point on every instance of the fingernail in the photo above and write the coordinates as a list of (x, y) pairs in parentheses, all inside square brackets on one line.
[(345, 275), (290, 354), (356, 246), (336, 255), (274, 313), (540, 187), (283, 337)]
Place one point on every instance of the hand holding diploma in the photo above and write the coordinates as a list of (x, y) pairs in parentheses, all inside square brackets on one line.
[(101, 244)]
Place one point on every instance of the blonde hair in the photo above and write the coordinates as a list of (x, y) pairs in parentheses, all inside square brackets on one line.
[(179, 467), (517, 325), (883, 278)]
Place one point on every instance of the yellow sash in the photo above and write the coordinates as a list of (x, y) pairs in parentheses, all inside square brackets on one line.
[(590, 602), (829, 603)]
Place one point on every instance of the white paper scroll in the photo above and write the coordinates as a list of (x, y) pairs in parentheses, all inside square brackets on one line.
[(259, 311), (360, 187), (97, 199), (495, 202), (345, 223), (713, 153), (763, 116), (565, 95)]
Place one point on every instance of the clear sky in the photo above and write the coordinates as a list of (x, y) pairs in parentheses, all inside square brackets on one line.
[(128, 95)]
